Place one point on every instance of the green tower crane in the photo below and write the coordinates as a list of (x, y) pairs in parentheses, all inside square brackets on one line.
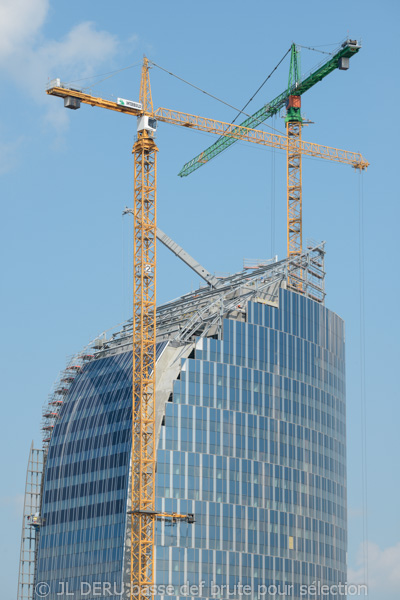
[(291, 98)]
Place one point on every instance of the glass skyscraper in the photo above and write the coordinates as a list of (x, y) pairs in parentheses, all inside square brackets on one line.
[(251, 430)]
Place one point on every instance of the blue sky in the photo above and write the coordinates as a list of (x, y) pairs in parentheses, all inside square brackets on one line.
[(66, 177)]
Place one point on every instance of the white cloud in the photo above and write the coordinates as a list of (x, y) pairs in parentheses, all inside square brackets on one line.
[(383, 571), (82, 51), (20, 21), (30, 60), (77, 55)]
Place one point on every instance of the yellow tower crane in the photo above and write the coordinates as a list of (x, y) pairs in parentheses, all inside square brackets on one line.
[(145, 151)]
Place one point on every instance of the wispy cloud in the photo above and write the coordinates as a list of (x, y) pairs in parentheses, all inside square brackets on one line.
[(20, 22), (383, 571)]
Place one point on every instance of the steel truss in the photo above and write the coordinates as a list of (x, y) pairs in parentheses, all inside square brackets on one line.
[(294, 201), (144, 356), (202, 311)]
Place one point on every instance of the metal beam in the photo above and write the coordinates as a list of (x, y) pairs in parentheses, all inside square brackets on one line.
[(187, 259), (183, 255)]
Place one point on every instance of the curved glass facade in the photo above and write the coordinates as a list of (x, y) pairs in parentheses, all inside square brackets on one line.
[(86, 478), (252, 443), (254, 446)]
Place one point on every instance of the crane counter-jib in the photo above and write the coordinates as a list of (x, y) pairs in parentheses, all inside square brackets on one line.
[(73, 98)]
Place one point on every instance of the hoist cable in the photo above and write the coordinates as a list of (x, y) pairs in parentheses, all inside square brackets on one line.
[(216, 97), (363, 403)]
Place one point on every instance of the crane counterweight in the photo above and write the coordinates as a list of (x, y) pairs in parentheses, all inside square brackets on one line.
[(72, 103), (343, 63)]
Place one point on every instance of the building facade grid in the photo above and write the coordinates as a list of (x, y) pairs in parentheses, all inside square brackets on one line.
[(253, 443), (254, 446)]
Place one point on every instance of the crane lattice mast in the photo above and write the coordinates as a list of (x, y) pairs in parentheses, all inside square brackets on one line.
[(294, 212), (144, 350)]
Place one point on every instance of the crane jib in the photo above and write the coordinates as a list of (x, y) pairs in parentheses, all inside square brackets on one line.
[(271, 108)]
